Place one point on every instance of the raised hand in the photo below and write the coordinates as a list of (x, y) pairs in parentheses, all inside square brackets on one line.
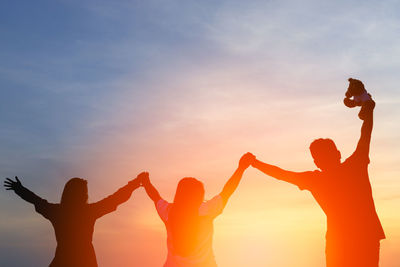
[(367, 109), (246, 160), (350, 103), (12, 185), (150, 189), (143, 178)]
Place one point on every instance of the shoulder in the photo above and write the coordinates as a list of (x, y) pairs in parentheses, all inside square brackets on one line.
[(309, 179), (162, 203), (163, 207), (212, 207), (43, 203), (357, 158), (47, 209)]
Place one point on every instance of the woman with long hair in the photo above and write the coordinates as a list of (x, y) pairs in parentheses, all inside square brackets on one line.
[(73, 218), (189, 220)]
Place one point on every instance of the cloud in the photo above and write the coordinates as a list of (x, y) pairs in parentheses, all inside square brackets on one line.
[(183, 88)]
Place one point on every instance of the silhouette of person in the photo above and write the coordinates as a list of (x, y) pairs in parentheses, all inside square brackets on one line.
[(73, 218), (189, 220), (343, 191)]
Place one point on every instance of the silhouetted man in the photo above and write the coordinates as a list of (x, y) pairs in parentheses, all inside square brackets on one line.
[(344, 193)]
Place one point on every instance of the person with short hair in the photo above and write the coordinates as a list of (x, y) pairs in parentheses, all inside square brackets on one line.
[(343, 191)]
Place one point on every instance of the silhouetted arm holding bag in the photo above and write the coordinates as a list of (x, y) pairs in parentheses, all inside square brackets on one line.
[(111, 202), (234, 181), (150, 189)]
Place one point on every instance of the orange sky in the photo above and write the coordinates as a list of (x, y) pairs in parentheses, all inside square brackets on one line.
[(203, 134), (267, 222), (104, 91)]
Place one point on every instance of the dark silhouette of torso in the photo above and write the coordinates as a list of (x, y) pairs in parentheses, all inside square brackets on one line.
[(345, 195), (73, 228), (74, 225)]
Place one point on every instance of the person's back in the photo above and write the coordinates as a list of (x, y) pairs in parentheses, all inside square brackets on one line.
[(73, 218), (345, 195), (200, 234), (74, 231), (189, 220), (74, 226), (343, 191)]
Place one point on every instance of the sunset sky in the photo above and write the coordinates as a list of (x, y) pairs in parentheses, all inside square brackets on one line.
[(106, 89)]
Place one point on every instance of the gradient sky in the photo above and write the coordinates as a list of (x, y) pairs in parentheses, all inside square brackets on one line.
[(105, 89)]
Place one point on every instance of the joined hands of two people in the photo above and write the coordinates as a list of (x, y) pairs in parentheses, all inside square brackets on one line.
[(142, 178), (246, 160), (9, 184)]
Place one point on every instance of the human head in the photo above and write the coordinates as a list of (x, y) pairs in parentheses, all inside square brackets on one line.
[(75, 192), (325, 154), (190, 192)]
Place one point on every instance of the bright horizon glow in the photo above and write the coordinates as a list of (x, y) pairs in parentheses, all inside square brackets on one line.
[(106, 90)]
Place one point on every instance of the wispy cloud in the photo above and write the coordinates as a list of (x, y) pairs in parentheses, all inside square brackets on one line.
[(104, 89)]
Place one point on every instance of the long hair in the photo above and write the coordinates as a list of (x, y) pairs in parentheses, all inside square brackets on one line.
[(75, 193), (184, 215)]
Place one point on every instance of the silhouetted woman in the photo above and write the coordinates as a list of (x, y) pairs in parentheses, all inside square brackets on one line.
[(73, 218), (189, 220)]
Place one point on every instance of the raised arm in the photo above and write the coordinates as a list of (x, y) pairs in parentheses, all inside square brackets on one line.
[(366, 129), (111, 202), (234, 181), (21, 191), (41, 205), (150, 189)]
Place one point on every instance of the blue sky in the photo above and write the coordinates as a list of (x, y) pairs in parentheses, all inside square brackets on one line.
[(90, 88)]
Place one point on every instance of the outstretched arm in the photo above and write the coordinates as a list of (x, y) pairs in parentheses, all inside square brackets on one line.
[(366, 128), (150, 189), (41, 205), (21, 191), (111, 202), (234, 181), (278, 173)]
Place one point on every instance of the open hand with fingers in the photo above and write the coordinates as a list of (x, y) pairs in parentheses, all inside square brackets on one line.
[(12, 185)]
